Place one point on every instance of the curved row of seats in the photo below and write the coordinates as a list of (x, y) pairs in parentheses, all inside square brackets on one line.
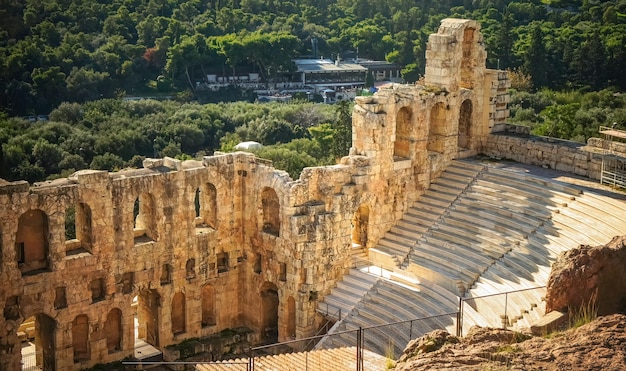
[(478, 232)]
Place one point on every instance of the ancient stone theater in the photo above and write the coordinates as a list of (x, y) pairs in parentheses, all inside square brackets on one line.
[(182, 250)]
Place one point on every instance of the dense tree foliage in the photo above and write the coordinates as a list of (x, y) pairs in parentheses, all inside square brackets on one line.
[(54, 51), (110, 134)]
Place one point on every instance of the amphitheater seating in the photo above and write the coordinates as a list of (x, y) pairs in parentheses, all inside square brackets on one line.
[(481, 230)]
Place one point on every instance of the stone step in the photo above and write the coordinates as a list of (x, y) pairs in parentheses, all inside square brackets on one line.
[(525, 189), (612, 222), (400, 236), (452, 259), (493, 205), (486, 195), (498, 216), (537, 181), (482, 251), (485, 227), (415, 231)]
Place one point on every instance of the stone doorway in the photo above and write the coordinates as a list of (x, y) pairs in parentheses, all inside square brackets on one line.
[(38, 345), (147, 317), (269, 313)]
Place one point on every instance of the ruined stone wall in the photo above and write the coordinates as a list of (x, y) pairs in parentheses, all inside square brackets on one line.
[(551, 153), (192, 248)]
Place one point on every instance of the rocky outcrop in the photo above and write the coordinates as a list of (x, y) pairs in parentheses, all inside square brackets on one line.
[(598, 345), (587, 274)]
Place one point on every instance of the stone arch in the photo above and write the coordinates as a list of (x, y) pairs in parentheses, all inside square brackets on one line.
[(144, 214), (360, 221), (467, 62), (31, 242), (291, 317), (178, 313), (269, 312), (271, 211), (80, 338), (401, 146), (148, 319), (465, 124), (437, 128), (113, 330), (208, 306)]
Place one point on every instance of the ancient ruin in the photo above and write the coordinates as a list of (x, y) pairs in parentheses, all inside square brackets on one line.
[(181, 250)]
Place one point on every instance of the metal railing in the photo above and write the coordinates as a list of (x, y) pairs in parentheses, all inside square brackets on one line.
[(494, 309)]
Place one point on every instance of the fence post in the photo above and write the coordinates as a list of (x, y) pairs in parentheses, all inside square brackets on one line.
[(505, 320), (459, 318), (411, 331)]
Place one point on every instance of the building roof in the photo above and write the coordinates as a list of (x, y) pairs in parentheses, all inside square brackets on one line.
[(326, 65)]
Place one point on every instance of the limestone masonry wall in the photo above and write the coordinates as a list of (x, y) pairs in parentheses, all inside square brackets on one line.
[(179, 250)]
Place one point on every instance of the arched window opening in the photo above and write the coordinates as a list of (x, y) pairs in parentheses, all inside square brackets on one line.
[(80, 338), (401, 147), (270, 211), (113, 330), (465, 122), (196, 202), (360, 221), (166, 274), (291, 317), (208, 306), (178, 313), (78, 233), (144, 213), (31, 242), (206, 206), (437, 132)]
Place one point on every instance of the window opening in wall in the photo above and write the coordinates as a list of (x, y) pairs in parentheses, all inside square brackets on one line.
[(196, 202), (166, 274), (70, 223), (113, 330), (126, 282), (190, 268), (360, 221), (60, 300), (12, 308), (80, 338), (437, 128), (144, 219), (282, 276), (258, 263), (271, 211), (31, 242), (222, 262), (206, 206), (78, 235), (178, 313), (19, 252), (97, 290), (465, 122), (401, 148)]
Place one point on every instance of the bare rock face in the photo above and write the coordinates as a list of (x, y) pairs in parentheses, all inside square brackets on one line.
[(589, 274), (598, 345)]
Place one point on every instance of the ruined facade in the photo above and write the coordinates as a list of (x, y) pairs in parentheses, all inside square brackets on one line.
[(192, 248)]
